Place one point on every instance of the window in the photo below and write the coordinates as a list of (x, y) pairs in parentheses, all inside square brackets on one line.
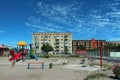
[(46, 36)]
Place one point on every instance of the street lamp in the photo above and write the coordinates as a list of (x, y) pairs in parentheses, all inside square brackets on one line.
[(100, 45)]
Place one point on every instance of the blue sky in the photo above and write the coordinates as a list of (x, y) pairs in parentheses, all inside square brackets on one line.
[(86, 19)]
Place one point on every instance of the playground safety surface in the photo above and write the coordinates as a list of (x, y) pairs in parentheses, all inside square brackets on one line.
[(20, 72)]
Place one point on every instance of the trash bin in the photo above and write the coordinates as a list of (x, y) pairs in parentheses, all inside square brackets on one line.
[(50, 66)]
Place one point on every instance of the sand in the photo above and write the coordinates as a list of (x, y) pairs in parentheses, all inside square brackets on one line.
[(58, 71)]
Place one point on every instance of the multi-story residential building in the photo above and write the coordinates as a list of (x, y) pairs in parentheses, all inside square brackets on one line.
[(58, 40), (116, 43), (86, 43)]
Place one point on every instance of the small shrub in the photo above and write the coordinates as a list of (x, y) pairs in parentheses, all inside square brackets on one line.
[(116, 70), (64, 63), (95, 76)]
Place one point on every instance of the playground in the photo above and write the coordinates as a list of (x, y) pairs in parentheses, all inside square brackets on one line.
[(59, 71), (22, 53), (23, 64)]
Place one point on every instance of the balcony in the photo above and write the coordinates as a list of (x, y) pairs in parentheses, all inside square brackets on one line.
[(37, 47), (57, 42), (36, 43), (57, 37), (56, 45), (66, 37), (57, 51), (46, 40), (67, 44)]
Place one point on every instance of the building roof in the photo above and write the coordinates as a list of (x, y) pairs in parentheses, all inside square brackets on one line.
[(1, 46), (88, 40)]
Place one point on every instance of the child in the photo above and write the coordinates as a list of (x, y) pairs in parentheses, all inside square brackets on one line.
[(9, 57), (13, 63)]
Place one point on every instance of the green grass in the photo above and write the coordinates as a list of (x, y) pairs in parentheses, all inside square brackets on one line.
[(106, 66), (95, 76)]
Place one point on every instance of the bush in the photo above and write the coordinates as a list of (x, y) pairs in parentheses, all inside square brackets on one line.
[(95, 76), (116, 70), (46, 55)]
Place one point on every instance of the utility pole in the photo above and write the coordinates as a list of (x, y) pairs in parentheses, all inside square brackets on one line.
[(100, 45), (100, 54)]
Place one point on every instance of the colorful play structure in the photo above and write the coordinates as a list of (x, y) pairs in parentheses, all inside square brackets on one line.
[(22, 53), (31, 54)]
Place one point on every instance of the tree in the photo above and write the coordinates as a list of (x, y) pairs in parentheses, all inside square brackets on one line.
[(47, 48), (81, 47), (6, 49), (116, 70), (118, 48), (110, 46), (66, 50)]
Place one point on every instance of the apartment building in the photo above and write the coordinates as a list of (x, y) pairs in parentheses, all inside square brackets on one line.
[(58, 40), (116, 43), (86, 43)]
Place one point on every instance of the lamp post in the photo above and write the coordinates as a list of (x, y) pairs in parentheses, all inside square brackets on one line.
[(100, 45), (101, 54)]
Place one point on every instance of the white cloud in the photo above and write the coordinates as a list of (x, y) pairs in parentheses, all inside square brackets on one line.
[(68, 17), (60, 13), (45, 27), (114, 14), (2, 31)]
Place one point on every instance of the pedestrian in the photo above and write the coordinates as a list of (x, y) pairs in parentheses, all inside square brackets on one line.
[(13, 63), (10, 57)]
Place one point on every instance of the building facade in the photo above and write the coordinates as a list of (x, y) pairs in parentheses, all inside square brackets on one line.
[(86, 43), (116, 43), (58, 40)]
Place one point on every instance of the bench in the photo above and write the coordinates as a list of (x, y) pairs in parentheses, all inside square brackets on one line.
[(35, 63)]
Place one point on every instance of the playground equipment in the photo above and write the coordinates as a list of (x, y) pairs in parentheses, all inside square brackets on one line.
[(14, 56), (35, 63), (31, 54), (18, 53), (22, 53), (22, 48)]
